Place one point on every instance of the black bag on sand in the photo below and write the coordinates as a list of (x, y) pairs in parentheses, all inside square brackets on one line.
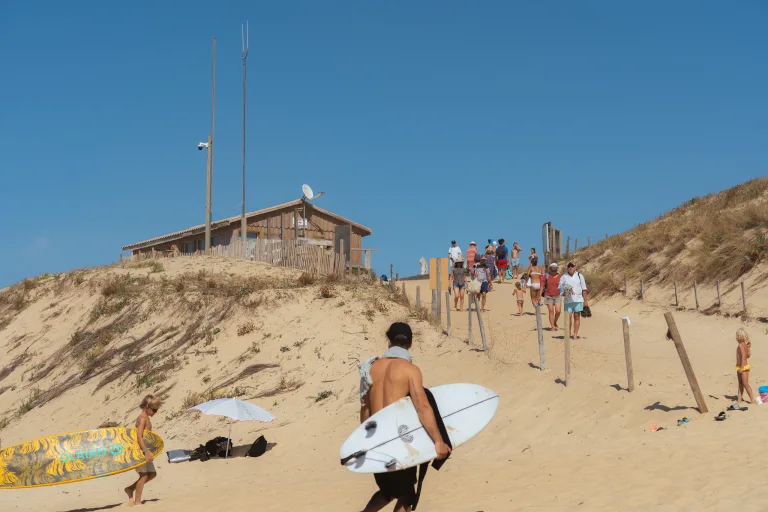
[(258, 448), (217, 447), (199, 454)]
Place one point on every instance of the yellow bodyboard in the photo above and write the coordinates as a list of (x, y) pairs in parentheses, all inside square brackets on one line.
[(74, 457)]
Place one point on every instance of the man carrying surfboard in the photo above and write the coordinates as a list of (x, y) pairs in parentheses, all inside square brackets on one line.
[(383, 381), (149, 406)]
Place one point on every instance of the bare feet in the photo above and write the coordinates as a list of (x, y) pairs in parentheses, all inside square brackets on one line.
[(129, 492)]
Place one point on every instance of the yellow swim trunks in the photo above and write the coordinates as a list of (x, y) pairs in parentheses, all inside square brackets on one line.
[(745, 368)]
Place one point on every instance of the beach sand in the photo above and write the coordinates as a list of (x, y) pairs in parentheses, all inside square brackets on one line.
[(549, 448)]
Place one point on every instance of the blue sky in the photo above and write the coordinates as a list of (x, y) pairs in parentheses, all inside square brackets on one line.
[(426, 121)]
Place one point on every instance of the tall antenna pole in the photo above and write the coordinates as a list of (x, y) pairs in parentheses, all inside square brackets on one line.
[(243, 223), (209, 180)]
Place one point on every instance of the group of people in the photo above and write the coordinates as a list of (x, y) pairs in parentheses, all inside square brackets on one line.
[(496, 262), (499, 263)]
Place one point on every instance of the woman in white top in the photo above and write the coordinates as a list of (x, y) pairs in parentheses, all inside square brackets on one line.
[(574, 289)]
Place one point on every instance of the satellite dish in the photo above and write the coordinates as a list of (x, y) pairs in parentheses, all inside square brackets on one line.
[(308, 194)]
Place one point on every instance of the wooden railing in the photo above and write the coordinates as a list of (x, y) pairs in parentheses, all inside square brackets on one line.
[(297, 254)]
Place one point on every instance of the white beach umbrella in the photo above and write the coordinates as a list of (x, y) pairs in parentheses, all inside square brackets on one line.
[(235, 410)]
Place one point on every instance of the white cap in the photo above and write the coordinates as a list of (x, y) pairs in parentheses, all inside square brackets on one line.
[(554, 265), (472, 243)]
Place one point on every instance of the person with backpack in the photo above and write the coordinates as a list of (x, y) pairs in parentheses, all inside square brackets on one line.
[(552, 297), (574, 290), (501, 260)]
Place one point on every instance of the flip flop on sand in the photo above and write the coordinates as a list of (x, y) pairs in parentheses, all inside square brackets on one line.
[(683, 421), (722, 416), (736, 407)]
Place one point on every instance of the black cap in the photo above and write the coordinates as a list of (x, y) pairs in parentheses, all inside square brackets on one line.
[(571, 264), (453, 241)]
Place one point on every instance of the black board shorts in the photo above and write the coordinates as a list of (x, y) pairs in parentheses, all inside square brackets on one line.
[(398, 484)]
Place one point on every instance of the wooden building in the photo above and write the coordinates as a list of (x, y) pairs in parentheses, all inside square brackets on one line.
[(295, 220)]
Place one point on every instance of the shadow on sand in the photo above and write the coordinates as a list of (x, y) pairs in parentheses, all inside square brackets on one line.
[(106, 507), (241, 450), (661, 407)]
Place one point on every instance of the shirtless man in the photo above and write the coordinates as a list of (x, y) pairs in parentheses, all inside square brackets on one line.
[(147, 472), (515, 262), (384, 381)]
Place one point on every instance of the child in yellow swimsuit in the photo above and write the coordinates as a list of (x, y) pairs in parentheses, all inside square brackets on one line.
[(743, 352)]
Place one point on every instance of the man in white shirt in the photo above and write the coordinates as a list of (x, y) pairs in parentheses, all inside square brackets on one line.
[(574, 289), (454, 253)]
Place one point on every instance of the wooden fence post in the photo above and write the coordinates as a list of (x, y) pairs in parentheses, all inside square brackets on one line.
[(439, 289), (675, 335), (390, 271), (480, 322), (567, 346), (568, 247), (469, 319), (448, 312), (677, 302), (576, 245), (589, 241), (418, 298), (628, 355), (542, 358), (743, 297), (435, 298), (696, 293), (719, 302)]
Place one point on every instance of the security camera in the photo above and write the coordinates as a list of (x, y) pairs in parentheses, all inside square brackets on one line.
[(202, 145)]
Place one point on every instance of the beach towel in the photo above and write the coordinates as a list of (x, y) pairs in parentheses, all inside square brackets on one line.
[(365, 369)]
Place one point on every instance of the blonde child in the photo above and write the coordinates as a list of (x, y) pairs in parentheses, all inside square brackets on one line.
[(147, 472), (520, 296), (743, 352)]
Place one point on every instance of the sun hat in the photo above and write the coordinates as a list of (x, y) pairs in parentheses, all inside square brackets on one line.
[(554, 265), (473, 243)]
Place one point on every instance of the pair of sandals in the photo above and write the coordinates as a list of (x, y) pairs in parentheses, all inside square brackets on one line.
[(733, 407)]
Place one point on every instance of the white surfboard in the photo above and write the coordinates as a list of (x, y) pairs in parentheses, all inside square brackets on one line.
[(394, 439)]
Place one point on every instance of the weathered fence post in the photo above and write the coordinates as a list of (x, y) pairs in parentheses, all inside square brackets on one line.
[(589, 241), (567, 346), (677, 302), (439, 288), (743, 297), (434, 304), (568, 247), (469, 319), (696, 293), (542, 358), (576, 245), (719, 302), (628, 355), (480, 323), (675, 335), (448, 312)]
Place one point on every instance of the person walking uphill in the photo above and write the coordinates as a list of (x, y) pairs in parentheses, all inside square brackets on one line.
[(454, 253), (147, 472), (552, 297), (383, 381), (515, 261), (471, 255), (574, 289), (459, 284), (501, 260), (482, 273)]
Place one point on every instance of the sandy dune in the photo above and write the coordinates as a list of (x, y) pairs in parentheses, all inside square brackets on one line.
[(585, 447)]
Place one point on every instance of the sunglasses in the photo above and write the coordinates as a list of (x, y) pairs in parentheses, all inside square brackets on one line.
[(153, 409)]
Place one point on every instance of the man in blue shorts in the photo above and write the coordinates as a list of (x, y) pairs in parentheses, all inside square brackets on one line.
[(574, 289)]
